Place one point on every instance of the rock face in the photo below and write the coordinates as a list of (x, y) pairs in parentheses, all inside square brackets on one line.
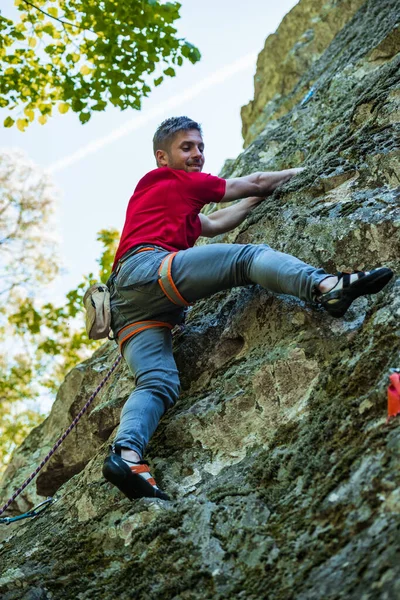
[(288, 55), (283, 472)]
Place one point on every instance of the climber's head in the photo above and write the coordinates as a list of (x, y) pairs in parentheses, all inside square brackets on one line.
[(178, 144)]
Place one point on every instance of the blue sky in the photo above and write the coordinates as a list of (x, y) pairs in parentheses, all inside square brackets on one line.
[(96, 166)]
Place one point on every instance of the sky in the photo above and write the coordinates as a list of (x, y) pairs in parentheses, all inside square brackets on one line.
[(96, 166)]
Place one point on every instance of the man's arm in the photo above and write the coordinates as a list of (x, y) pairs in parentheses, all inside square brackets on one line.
[(257, 184), (262, 184), (227, 219)]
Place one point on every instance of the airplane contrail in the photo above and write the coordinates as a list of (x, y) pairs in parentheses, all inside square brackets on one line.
[(174, 102)]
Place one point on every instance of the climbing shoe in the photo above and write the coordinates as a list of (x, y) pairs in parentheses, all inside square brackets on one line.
[(351, 286), (132, 478)]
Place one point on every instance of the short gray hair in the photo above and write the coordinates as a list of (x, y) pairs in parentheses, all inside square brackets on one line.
[(166, 132)]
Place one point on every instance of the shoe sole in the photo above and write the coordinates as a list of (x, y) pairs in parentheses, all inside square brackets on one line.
[(370, 284), (117, 472)]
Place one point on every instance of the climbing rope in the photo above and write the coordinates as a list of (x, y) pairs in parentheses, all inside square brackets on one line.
[(52, 451)]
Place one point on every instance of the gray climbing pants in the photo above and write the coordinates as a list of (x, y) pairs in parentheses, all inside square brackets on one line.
[(197, 273)]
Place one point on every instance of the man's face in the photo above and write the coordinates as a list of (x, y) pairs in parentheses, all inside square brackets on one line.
[(186, 152)]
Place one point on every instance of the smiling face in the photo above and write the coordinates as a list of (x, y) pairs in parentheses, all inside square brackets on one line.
[(185, 152)]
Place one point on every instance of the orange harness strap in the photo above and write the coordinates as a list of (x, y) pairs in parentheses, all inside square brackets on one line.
[(144, 250), (133, 328), (166, 282)]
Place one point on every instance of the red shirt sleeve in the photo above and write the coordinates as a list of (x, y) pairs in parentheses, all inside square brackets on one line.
[(202, 188)]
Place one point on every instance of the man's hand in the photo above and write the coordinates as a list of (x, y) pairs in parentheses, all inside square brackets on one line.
[(260, 184), (226, 219)]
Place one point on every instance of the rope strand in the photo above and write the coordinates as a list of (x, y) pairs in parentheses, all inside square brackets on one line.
[(61, 439)]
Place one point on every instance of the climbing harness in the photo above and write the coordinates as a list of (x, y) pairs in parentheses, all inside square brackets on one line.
[(166, 282), (393, 394), (34, 512), (132, 252), (52, 451), (169, 289), (132, 329), (164, 273)]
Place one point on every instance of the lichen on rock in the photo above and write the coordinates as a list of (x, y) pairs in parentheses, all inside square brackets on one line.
[(283, 473)]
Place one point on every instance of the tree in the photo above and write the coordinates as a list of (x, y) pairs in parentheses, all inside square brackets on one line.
[(28, 260), (54, 341), (56, 335), (86, 54), (27, 247), (40, 342), (16, 378)]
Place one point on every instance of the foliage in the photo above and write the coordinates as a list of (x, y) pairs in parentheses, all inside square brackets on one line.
[(57, 333), (84, 54), (15, 386), (28, 260), (55, 341), (27, 248)]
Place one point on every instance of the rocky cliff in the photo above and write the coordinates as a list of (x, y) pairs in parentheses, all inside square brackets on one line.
[(284, 475)]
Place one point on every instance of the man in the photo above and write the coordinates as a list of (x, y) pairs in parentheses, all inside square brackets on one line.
[(157, 273)]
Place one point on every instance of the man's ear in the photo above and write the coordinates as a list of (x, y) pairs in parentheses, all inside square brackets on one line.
[(162, 158)]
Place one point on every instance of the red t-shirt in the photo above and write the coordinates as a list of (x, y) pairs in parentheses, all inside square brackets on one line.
[(164, 209)]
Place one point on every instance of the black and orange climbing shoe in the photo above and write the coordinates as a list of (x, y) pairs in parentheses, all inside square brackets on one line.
[(132, 478), (351, 286)]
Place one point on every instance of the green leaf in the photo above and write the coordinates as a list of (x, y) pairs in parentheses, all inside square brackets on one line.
[(170, 72), (77, 104), (84, 117), (53, 11)]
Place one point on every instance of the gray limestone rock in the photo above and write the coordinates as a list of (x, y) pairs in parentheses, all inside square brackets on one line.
[(283, 473)]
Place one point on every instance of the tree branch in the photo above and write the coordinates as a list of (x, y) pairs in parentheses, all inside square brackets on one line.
[(5, 207), (59, 20)]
